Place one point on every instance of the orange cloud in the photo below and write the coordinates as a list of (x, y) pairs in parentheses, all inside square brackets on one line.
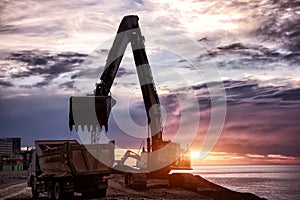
[(255, 155), (229, 158), (281, 157)]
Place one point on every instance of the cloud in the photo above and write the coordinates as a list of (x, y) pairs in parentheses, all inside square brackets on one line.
[(6, 84), (68, 85), (63, 26), (124, 72), (244, 39), (230, 158), (252, 57), (45, 64), (280, 157), (252, 91), (254, 123), (260, 120), (255, 155), (288, 95), (21, 65), (281, 22)]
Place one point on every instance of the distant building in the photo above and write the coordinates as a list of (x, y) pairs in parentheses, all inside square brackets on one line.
[(16, 145), (10, 146), (6, 147), (10, 154)]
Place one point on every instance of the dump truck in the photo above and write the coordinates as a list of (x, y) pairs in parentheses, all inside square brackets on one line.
[(61, 167)]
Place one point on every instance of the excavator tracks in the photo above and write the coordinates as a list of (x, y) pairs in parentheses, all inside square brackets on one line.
[(136, 180), (182, 180)]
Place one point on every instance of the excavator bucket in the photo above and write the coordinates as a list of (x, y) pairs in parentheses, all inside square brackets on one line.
[(91, 112)]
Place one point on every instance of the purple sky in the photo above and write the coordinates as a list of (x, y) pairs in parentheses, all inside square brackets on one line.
[(52, 50)]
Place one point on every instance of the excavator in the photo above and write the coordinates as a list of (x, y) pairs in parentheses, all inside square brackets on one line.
[(159, 156)]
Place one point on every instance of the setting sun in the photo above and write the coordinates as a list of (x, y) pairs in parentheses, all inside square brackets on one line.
[(195, 155)]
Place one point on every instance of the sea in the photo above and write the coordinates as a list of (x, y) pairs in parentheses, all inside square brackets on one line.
[(274, 182)]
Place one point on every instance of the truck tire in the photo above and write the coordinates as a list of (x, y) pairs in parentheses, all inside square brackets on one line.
[(57, 193), (50, 190), (34, 192)]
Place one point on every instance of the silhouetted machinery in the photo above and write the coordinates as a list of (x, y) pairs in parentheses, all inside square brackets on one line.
[(160, 156)]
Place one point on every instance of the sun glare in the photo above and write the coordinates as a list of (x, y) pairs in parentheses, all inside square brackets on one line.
[(195, 155)]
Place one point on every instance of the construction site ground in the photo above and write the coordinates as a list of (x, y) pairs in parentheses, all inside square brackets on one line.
[(13, 186)]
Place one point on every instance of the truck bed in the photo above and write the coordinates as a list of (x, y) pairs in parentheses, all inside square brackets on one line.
[(62, 157)]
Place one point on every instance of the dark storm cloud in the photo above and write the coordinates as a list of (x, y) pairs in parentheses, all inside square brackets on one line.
[(123, 71), (248, 91), (44, 64), (88, 73), (281, 23), (8, 29), (259, 119), (95, 73), (287, 95), (41, 84), (67, 85), (246, 56), (6, 83), (239, 92), (252, 91), (198, 87)]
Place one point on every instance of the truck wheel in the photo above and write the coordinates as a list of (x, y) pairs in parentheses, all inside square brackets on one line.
[(57, 190), (34, 191), (50, 190)]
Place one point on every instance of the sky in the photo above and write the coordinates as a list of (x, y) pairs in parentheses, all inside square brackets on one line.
[(227, 73)]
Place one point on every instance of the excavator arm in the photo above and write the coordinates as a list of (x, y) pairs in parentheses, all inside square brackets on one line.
[(101, 103), (129, 154), (94, 111)]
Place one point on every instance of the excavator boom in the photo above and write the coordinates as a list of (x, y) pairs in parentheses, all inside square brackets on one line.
[(101, 104), (93, 111)]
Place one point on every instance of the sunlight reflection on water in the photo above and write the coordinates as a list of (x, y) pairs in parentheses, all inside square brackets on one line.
[(268, 181)]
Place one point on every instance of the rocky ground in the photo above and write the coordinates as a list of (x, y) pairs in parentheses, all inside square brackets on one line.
[(8, 178), (13, 186)]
